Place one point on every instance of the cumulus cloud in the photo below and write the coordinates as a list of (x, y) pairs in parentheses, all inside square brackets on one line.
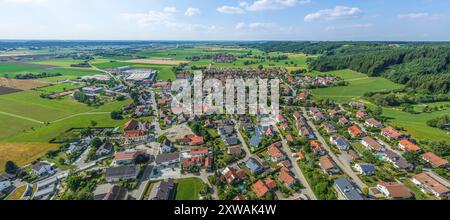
[(413, 15), (192, 12), (256, 26), (332, 14), (260, 5), (230, 10)]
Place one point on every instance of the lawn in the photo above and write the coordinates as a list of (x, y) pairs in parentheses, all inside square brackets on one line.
[(188, 189), (359, 84), (17, 194)]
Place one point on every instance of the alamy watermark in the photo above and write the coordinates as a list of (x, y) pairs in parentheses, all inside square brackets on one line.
[(234, 96)]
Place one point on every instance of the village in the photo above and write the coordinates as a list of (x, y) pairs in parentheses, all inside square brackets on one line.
[(311, 150)]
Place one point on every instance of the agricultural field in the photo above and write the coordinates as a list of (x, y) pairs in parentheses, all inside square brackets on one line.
[(62, 62), (359, 84), (11, 70), (23, 153), (188, 189)]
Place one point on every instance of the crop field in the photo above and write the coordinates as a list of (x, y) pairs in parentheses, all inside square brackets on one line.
[(12, 69), (23, 153), (188, 189), (20, 84), (358, 85), (160, 61)]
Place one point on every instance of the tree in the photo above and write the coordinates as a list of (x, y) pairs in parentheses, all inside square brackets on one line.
[(142, 159), (378, 111), (11, 167), (94, 123), (161, 139), (260, 67), (96, 143), (116, 115)]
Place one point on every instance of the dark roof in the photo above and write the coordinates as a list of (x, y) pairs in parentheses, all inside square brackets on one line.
[(116, 193), (167, 157), (117, 172), (37, 166), (347, 189), (164, 188)]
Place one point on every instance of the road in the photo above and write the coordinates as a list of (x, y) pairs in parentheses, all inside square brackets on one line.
[(297, 171), (344, 165)]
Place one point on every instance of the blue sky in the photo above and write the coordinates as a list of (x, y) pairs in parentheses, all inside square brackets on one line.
[(226, 20)]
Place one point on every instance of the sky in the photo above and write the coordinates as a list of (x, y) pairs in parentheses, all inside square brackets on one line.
[(317, 20)]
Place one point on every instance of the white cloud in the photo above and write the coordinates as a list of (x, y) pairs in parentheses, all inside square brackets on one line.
[(255, 26), (230, 10), (170, 9), (260, 5), (350, 26), (149, 18), (332, 14), (413, 15), (192, 12)]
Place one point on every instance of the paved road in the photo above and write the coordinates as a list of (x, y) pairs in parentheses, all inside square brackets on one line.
[(297, 171), (345, 166)]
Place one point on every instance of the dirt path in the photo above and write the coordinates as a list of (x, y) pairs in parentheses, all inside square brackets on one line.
[(21, 117)]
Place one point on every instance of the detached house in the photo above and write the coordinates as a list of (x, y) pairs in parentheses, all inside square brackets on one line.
[(317, 148), (355, 131), (42, 169), (372, 144), (392, 134), (275, 153), (365, 169), (434, 160), (232, 175), (430, 185), (329, 128), (394, 190), (340, 142), (328, 165), (407, 146), (287, 179), (372, 123)]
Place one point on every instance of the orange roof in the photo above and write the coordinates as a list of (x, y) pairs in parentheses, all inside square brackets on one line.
[(260, 188), (409, 146), (134, 133), (397, 190), (326, 163), (270, 183), (391, 132), (431, 183), (355, 130), (195, 139), (199, 151), (434, 159), (286, 178), (124, 155), (274, 151)]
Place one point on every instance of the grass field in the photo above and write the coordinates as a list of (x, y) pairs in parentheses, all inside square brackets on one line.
[(188, 189), (12, 69), (17, 194), (63, 62), (58, 88), (416, 124), (358, 85)]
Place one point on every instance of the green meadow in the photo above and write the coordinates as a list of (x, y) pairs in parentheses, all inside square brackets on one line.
[(359, 84), (188, 189), (58, 88)]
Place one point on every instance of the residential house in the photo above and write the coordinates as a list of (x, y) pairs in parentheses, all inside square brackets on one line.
[(115, 174), (199, 157), (372, 144), (260, 189), (329, 128), (317, 148), (392, 134), (343, 121), (340, 142), (232, 175), (361, 114), (373, 123), (167, 159), (435, 160), (163, 190), (104, 150), (225, 131), (398, 161), (394, 190), (306, 133), (365, 169), (166, 147), (318, 116), (275, 153), (232, 141), (408, 146), (354, 155), (255, 166), (235, 151), (430, 185), (328, 165), (4, 184), (42, 169), (355, 131), (126, 157), (280, 119), (347, 190), (287, 179)]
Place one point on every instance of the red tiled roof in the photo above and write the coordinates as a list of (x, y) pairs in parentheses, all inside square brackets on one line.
[(409, 146), (286, 178), (260, 188), (434, 159)]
